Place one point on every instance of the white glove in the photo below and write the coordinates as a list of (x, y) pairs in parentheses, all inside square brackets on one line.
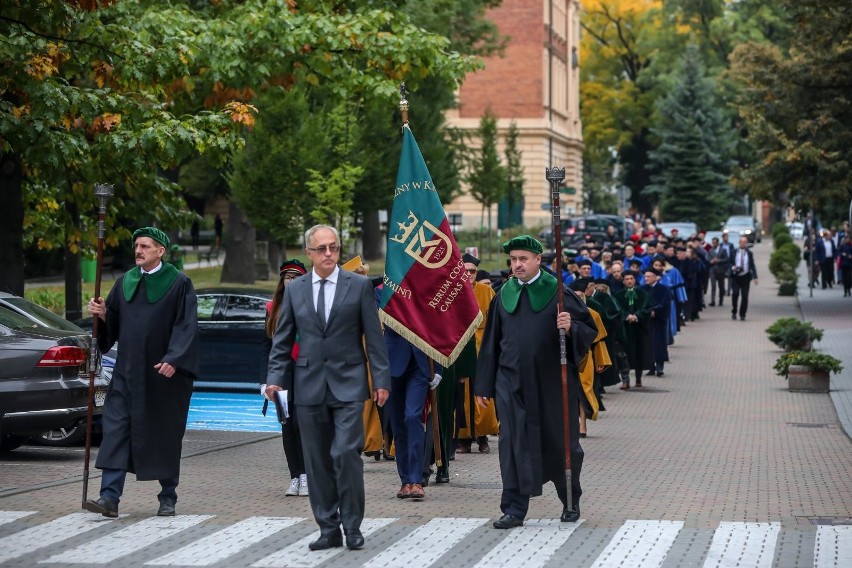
[(263, 391), (435, 382)]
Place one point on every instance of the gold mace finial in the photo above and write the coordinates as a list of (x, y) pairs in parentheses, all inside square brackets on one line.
[(403, 103)]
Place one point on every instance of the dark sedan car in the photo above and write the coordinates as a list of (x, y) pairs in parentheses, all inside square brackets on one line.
[(44, 378), (231, 325)]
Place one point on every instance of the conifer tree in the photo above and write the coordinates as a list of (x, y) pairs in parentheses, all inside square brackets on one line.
[(691, 166)]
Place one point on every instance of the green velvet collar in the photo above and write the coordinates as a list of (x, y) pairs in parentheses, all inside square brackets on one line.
[(156, 285), (540, 292)]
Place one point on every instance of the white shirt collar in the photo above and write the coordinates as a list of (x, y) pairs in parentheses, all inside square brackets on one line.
[(531, 280), (331, 277), (153, 270)]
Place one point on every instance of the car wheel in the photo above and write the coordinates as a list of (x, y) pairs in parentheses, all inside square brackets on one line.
[(63, 437), (9, 442)]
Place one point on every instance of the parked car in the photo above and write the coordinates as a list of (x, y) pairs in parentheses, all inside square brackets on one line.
[(574, 229), (231, 323), (44, 378), (76, 433), (743, 226), (685, 229), (232, 329)]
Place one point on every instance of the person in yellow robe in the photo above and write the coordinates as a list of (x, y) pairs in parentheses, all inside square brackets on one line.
[(374, 438), (595, 361), (484, 419)]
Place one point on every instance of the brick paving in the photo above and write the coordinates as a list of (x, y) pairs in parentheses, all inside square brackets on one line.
[(719, 438)]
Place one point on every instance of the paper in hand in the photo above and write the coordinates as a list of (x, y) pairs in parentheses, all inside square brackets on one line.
[(281, 406)]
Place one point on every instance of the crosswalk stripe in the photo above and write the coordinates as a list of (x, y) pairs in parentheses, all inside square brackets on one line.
[(12, 516), (743, 544), (128, 540), (833, 546), (226, 542), (425, 544), (639, 544), (297, 555), (29, 540), (529, 546)]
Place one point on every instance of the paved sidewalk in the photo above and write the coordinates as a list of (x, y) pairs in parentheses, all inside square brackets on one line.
[(718, 439), (830, 311)]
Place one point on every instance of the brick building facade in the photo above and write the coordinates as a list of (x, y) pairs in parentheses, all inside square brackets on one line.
[(536, 85)]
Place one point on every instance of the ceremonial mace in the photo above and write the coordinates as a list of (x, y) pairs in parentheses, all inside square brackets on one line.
[(103, 192), (554, 177), (433, 398)]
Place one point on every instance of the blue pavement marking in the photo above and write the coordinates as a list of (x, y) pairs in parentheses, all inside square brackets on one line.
[(237, 412)]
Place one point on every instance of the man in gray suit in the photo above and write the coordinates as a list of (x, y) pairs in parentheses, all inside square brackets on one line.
[(330, 310), (720, 264)]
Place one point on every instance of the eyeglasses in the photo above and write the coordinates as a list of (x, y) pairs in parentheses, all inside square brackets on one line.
[(322, 249)]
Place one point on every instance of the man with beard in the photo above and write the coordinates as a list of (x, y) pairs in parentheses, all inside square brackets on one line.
[(151, 311), (519, 367)]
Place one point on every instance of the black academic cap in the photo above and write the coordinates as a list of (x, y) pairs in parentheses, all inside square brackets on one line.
[(467, 257)]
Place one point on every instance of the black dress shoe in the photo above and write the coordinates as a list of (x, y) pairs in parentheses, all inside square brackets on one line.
[(442, 477), (354, 539), (106, 507), (167, 507), (331, 540), (508, 522), (733, 316), (570, 515), (425, 481)]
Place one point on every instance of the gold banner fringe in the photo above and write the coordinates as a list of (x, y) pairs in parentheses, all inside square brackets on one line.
[(418, 342)]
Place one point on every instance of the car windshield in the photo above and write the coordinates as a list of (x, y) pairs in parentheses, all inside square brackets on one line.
[(739, 221), (43, 315)]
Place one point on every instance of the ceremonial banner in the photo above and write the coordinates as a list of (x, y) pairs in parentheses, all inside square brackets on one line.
[(426, 297)]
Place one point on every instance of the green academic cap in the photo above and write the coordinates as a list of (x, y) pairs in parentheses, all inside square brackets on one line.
[(523, 242), (154, 233)]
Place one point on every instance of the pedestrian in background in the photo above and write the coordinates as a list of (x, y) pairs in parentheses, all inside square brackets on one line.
[(151, 311), (845, 253), (290, 432), (333, 313), (743, 272)]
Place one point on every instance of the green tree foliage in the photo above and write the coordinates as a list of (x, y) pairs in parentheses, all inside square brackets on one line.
[(122, 91), (267, 179), (796, 107), (693, 160), (514, 198), (486, 176)]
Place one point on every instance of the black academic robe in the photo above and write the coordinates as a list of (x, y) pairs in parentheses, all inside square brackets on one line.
[(144, 417), (661, 298), (611, 317), (637, 342), (519, 367)]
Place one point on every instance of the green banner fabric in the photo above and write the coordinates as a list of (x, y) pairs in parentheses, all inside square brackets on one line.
[(426, 295)]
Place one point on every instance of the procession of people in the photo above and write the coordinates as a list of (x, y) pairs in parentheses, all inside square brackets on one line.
[(345, 386)]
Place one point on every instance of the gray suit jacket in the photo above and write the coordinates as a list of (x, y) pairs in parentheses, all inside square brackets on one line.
[(333, 357)]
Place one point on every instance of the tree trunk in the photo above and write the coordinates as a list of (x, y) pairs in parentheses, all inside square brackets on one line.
[(11, 225), (73, 283), (371, 234), (239, 248), (490, 240), (276, 253), (481, 223)]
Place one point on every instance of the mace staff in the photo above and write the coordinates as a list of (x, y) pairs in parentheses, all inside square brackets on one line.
[(554, 177), (103, 192)]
